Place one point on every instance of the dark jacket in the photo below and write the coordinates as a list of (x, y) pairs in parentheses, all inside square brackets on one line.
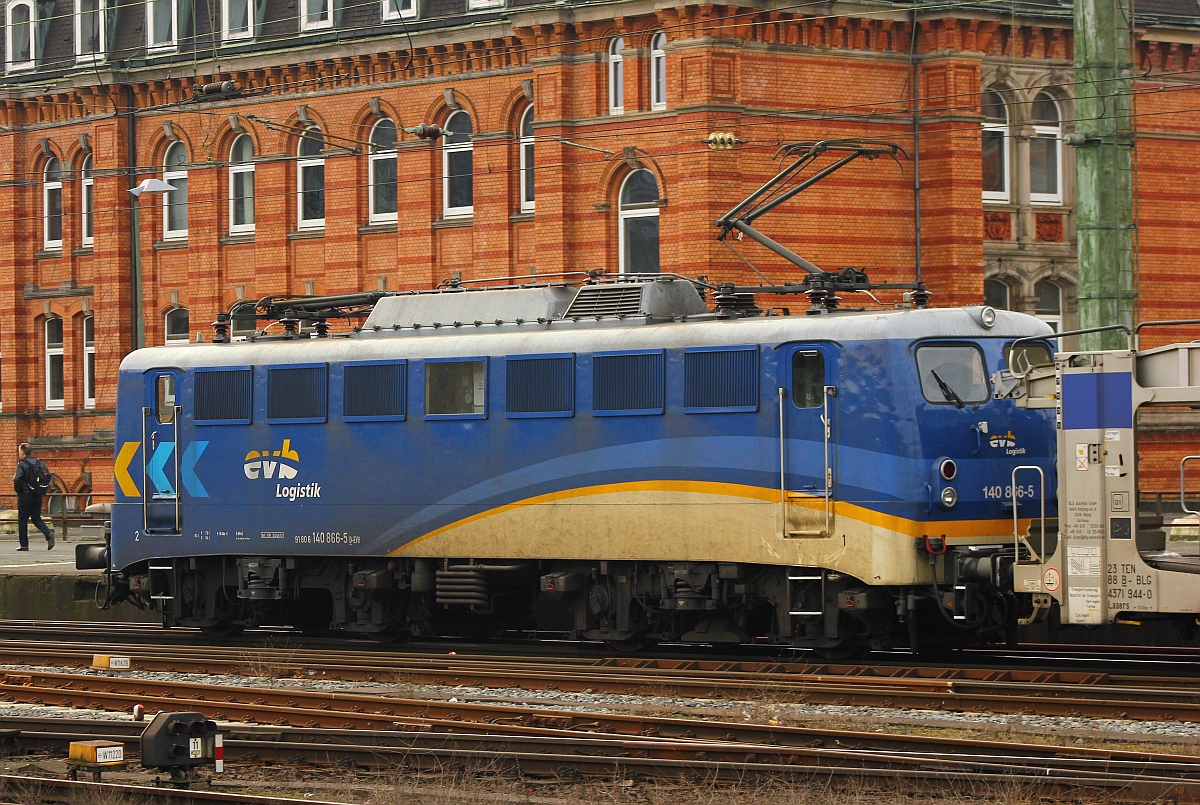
[(26, 470)]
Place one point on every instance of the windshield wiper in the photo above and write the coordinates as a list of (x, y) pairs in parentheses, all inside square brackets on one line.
[(950, 394)]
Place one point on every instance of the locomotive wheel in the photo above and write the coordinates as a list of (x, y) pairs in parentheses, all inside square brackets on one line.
[(846, 650), (223, 629), (392, 634), (630, 645)]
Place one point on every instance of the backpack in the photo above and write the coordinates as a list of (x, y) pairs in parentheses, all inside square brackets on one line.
[(37, 481)]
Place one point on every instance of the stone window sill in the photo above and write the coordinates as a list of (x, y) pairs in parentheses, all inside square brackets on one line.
[(454, 223), (47, 254), (521, 217), (168, 245), (379, 228), (306, 234), (236, 238), (82, 251)]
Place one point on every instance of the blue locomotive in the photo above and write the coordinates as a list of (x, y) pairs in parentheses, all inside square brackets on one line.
[(608, 459)]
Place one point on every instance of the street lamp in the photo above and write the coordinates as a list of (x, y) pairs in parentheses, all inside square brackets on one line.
[(154, 187)]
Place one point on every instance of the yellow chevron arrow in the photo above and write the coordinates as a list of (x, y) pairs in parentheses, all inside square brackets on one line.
[(121, 469)]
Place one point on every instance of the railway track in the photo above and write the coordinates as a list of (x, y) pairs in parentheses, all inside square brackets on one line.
[(1063, 693), (17, 790), (924, 764)]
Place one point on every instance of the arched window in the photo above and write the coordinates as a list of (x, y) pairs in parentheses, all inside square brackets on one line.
[(162, 25), (176, 324), (175, 202), (527, 153), (1045, 152), (241, 184), (995, 148), (236, 20), (20, 35), (639, 223), (90, 30), (89, 361), (616, 76), (52, 208), (54, 363), (995, 294), (458, 165), (310, 180), (383, 172), (88, 202), (1049, 303), (658, 71)]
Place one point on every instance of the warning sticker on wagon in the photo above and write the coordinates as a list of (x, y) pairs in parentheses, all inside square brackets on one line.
[(1083, 560)]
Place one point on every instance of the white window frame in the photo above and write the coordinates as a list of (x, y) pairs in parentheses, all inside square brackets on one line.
[(9, 29), (449, 148), (616, 76), (1047, 132), (229, 35), (170, 173), (319, 25), (89, 362), (527, 167), (87, 199), (658, 66), (476, 5), (172, 43), (399, 10), (641, 210), (235, 170), (301, 164), (60, 403), (102, 29), (379, 156), (1053, 319), (49, 187), (1005, 195), (168, 338)]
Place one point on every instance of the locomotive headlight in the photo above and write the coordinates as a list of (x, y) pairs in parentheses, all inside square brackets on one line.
[(949, 497), (948, 469), (987, 317)]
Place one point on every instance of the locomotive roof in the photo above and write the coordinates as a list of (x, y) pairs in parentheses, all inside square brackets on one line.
[(565, 335)]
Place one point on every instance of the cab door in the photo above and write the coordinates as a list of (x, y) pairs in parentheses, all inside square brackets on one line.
[(808, 439), (161, 412)]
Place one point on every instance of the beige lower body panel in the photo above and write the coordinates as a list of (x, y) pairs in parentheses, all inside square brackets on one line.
[(698, 522)]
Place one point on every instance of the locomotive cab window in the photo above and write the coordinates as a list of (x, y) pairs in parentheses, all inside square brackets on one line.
[(456, 388), (952, 374), (164, 399), (808, 379)]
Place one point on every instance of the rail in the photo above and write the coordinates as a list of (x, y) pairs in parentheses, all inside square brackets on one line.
[(62, 510)]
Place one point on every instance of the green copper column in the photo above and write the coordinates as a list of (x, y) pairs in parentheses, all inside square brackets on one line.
[(1104, 166)]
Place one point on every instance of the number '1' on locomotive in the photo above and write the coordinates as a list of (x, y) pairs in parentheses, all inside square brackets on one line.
[(606, 459)]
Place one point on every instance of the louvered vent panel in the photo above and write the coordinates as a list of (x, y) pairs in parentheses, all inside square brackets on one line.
[(373, 391), (631, 383), (606, 300), (540, 386), (296, 393), (720, 380), (222, 396)]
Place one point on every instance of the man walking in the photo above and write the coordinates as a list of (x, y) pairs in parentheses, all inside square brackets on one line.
[(31, 483)]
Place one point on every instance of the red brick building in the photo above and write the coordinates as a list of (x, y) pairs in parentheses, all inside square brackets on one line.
[(577, 144)]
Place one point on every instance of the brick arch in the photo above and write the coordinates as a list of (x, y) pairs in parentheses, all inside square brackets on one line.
[(512, 109), (226, 135), (609, 186), (438, 112), (641, 32), (364, 119), (160, 143)]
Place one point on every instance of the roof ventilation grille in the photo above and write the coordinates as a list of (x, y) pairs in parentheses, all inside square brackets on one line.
[(607, 300)]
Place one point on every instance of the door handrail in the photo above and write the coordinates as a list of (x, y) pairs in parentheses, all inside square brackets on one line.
[(1017, 538), (782, 465), (178, 480), (1182, 488), (145, 475), (826, 393)]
